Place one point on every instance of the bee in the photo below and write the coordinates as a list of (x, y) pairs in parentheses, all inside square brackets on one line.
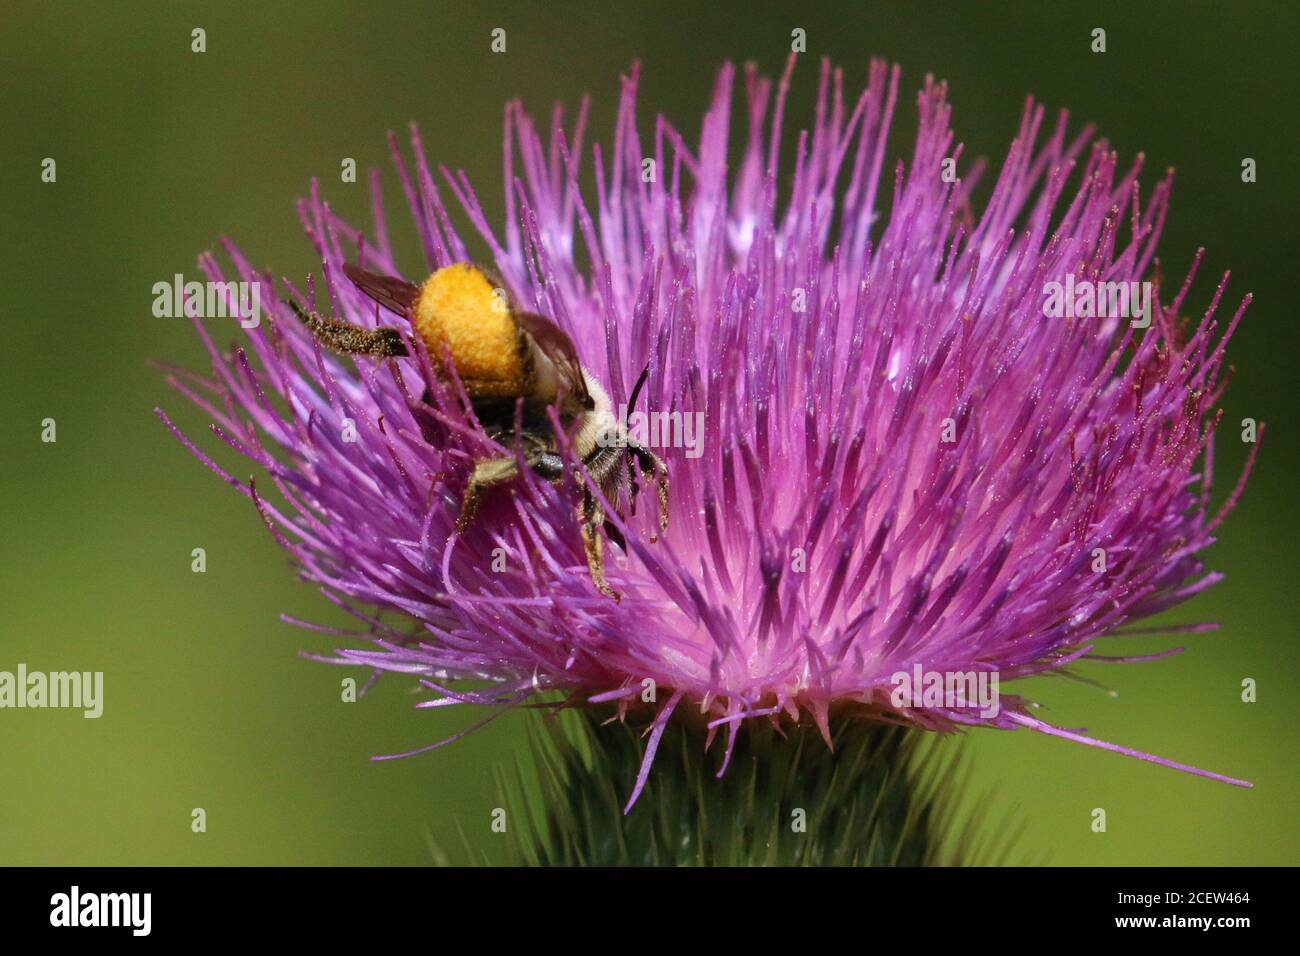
[(502, 355)]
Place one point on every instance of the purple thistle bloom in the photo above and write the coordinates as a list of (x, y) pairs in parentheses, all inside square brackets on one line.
[(903, 461)]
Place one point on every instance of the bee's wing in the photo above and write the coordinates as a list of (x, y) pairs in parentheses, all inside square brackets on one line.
[(559, 350), (396, 295)]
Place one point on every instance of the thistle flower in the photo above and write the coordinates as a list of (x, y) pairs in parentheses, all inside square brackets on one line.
[(905, 461)]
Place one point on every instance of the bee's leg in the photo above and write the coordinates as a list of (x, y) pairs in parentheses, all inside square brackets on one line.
[(550, 465), (489, 472), (352, 339), (650, 464), (592, 517), (497, 471)]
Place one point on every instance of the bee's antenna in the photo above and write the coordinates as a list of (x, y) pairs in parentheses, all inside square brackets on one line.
[(636, 389)]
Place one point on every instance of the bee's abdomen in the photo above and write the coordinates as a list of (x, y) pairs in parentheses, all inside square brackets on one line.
[(458, 309)]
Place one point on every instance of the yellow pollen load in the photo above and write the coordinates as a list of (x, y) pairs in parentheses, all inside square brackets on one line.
[(459, 308)]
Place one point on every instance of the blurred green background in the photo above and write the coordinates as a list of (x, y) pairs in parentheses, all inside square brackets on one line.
[(161, 150)]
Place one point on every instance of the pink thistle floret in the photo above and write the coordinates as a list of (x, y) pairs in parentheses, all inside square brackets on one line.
[(903, 461)]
